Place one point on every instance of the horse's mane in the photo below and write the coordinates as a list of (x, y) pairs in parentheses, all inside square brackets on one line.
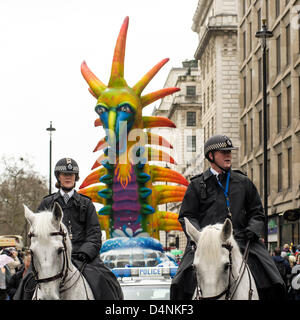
[(210, 244), (43, 226)]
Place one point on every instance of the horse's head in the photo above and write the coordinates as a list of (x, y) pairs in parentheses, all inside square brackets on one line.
[(213, 256), (50, 248)]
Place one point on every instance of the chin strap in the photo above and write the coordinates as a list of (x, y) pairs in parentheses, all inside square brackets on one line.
[(67, 189), (213, 161)]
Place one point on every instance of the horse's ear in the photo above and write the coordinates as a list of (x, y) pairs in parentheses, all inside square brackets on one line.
[(191, 230), (57, 213), (226, 230), (29, 215)]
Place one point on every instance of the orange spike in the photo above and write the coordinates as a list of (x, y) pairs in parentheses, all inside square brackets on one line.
[(101, 145), (140, 86), (95, 84), (168, 175), (159, 155), (93, 177), (98, 162), (98, 123), (153, 96), (153, 122), (92, 93), (156, 139), (117, 69)]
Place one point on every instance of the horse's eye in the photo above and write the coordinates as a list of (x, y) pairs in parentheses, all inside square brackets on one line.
[(60, 250), (226, 266)]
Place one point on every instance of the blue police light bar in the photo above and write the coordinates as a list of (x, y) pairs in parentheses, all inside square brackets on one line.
[(145, 272)]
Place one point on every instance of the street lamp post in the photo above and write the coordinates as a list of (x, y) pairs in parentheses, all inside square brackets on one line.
[(264, 34), (50, 129)]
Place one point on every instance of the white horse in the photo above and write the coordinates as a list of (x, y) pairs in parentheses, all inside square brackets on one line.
[(221, 270), (55, 274)]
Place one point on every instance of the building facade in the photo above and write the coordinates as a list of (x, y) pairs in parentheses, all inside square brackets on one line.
[(283, 108), (216, 22)]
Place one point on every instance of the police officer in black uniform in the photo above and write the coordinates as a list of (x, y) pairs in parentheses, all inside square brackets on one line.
[(208, 201), (80, 218)]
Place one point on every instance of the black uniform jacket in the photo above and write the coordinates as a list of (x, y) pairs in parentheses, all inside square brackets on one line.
[(203, 204), (80, 217)]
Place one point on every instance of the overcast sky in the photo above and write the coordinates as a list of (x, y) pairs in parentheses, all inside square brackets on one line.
[(42, 45)]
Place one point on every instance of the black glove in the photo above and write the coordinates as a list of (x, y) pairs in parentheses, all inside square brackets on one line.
[(82, 257), (250, 235)]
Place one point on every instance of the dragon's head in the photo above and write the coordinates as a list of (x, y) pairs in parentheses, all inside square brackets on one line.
[(118, 105)]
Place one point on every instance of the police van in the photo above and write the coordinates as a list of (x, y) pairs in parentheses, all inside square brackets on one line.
[(146, 283)]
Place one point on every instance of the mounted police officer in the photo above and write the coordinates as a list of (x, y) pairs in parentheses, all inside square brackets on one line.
[(80, 218), (211, 197)]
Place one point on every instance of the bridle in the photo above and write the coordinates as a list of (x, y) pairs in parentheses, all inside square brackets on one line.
[(231, 288), (63, 274), (65, 268)]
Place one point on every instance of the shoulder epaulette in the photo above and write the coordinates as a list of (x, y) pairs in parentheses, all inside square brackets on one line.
[(197, 176), (49, 195), (83, 195), (241, 172)]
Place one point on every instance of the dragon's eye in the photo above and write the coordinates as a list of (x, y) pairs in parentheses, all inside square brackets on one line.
[(100, 110), (125, 108)]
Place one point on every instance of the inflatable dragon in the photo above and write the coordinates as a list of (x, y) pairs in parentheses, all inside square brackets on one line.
[(123, 180)]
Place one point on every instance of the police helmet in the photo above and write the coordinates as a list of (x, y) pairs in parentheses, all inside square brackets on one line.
[(217, 142), (66, 165)]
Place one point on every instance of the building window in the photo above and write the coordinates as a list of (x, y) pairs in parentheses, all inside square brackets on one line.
[(191, 119), (244, 45), (298, 14), (204, 102), (277, 8), (191, 143), (259, 75), (268, 119), (260, 130), (299, 97), (212, 91), (245, 139), (289, 105), (279, 171), (269, 176), (259, 19), (261, 185), (267, 66), (250, 84), (288, 44), (244, 7), (208, 97), (267, 11), (245, 91), (190, 91), (251, 134), (250, 36), (208, 129), (290, 168), (278, 55), (279, 113)]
